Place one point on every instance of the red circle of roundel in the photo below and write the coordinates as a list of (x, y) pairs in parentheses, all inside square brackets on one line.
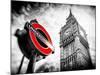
[(41, 49)]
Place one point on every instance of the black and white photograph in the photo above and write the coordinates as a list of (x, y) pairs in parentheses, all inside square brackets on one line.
[(52, 37)]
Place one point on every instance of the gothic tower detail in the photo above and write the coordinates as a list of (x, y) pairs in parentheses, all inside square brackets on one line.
[(74, 46)]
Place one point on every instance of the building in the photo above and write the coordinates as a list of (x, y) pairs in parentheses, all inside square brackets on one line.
[(74, 46)]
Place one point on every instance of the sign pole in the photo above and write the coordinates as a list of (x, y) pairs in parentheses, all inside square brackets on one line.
[(32, 62)]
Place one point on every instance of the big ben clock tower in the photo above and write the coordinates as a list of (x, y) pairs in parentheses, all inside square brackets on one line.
[(74, 46)]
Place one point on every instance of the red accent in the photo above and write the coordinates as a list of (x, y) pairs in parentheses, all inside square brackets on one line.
[(41, 49)]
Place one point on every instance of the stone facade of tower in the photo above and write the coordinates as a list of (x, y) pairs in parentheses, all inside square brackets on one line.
[(74, 46)]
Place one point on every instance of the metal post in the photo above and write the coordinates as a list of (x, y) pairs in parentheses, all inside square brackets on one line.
[(19, 69), (32, 62)]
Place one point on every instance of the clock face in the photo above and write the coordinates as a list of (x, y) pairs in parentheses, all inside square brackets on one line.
[(68, 31)]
